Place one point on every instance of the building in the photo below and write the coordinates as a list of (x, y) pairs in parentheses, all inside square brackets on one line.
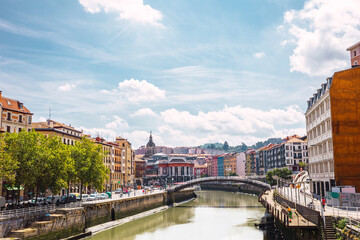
[(128, 160), (200, 170), (240, 164), (150, 148), (220, 166), (333, 126), (140, 166), (250, 162), (354, 54), (15, 117), (67, 133), (108, 151), (229, 164), (163, 169), (287, 154)]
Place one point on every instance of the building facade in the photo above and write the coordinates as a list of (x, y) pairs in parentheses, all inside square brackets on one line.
[(240, 164), (128, 160), (15, 117), (67, 133), (354, 54), (320, 139), (229, 164)]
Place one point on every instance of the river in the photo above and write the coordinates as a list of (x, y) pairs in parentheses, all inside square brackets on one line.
[(212, 215)]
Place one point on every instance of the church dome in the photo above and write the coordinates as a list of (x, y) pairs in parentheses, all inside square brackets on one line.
[(150, 143)]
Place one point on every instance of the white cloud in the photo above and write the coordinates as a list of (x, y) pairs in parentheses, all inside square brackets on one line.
[(42, 119), (66, 87), (259, 54), (137, 91), (133, 10), (144, 112), (117, 123), (101, 132), (322, 31), (235, 124)]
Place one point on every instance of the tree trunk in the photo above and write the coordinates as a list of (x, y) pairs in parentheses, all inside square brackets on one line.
[(81, 187), (37, 194), (68, 192)]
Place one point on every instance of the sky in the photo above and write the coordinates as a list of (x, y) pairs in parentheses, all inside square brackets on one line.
[(190, 71)]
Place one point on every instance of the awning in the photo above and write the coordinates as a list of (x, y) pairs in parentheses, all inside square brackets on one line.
[(11, 188)]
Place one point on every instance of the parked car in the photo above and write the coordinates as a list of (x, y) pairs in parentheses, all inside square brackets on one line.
[(93, 197), (118, 191), (84, 197), (56, 199), (40, 201), (103, 196), (64, 199)]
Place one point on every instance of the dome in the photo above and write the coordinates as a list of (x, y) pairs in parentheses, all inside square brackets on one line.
[(150, 143)]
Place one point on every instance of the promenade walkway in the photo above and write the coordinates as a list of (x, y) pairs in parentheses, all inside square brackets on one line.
[(280, 212)]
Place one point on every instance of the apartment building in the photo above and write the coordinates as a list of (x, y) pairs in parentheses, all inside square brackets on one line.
[(128, 157), (68, 134), (15, 117)]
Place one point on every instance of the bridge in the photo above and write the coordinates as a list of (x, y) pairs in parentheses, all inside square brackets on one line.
[(197, 181)]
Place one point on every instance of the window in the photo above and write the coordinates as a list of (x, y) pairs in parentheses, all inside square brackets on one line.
[(8, 116), (354, 53), (20, 118), (20, 129), (8, 129), (355, 63), (29, 120)]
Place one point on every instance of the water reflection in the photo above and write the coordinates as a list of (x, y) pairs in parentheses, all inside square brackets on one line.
[(213, 215)]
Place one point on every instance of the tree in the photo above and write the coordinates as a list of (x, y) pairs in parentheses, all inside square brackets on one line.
[(24, 148), (302, 165), (88, 164), (8, 164), (226, 146), (58, 154), (283, 173), (233, 174)]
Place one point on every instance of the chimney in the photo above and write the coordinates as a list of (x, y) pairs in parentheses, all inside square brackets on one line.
[(0, 94)]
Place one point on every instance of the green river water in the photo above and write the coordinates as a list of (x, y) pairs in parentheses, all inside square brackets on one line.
[(212, 215)]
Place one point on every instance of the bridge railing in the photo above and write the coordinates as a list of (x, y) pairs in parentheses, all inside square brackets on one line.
[(251, 180)]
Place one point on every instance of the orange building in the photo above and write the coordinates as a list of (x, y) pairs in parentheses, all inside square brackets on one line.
[(333, 130), (345, 115), (128, 158), (15, 117)]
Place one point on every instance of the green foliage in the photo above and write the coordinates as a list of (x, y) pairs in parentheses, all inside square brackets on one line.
[(341, 223), (88, 161), (233, 174), (240, 148), (204, 175), (226, 146), (302, 165), (35, 161), (8, 164), (283, 173)]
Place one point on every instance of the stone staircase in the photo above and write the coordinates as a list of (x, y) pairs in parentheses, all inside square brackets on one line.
[(329, 230)]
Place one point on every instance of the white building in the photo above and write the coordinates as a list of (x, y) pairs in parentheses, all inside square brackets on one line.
[(318, 128)]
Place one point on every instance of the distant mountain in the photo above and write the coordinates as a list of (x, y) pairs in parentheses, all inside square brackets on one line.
[(243, 147)]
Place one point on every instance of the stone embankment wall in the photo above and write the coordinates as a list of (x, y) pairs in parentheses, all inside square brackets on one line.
[(68, 222), (235, 187), (111, 210)]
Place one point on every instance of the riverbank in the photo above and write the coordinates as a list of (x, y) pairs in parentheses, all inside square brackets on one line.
[(64, 223)]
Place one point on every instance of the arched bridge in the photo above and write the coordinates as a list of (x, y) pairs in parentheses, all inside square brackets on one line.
[(197, 181)]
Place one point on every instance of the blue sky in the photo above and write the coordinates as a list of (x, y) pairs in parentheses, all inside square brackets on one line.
[(190, 71)]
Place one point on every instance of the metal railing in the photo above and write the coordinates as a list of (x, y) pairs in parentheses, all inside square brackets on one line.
[(34, 211)]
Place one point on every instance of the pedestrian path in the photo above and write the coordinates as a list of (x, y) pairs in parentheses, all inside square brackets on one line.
[(280, 212)]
